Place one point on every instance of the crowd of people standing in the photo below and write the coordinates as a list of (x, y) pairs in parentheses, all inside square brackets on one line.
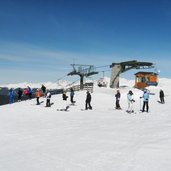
[(43, 92)]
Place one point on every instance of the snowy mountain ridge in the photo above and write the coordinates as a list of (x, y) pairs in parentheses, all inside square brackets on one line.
[(63, 83)]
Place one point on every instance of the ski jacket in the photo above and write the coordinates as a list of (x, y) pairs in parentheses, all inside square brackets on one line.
[(38, 93), (88, 98), (29, 90), (43, 88), (64, 96), (20, 92), (145, 97), (48, 96), (11, 94), (25, 92), (72, 93), (118, 95), (130, 98), (161, 93)]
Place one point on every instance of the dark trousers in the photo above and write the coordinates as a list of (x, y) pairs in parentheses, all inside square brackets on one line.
[(145, 104), (117, 104), (48, 103), (72, 97), (11, 100), (19, 97), (162, 99), (30, 95), (88, 105), (38, 100)]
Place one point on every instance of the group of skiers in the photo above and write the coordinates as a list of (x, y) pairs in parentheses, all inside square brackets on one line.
[(131, 100), (45, 93), (26, 92)]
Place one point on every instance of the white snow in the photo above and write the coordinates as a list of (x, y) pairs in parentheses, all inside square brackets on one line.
[(36, 138)]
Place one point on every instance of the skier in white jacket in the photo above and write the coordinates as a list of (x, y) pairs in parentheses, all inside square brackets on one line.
[(130, 102)]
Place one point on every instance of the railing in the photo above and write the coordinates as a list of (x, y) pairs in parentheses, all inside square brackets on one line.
[(87, 87)]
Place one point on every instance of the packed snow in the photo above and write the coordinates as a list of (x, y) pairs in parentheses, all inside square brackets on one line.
[(37, 138)]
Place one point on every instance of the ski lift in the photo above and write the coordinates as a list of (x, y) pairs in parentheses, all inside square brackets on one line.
[(102, 82)]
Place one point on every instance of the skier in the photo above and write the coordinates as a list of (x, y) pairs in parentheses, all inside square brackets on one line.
[(130, 101), (161, 95), (38, 94), (72, 96), (29, 92), (117, 95), (11, 96), (48, 97), (145, 101), (64, 97), (25, 92), (20, 92), (88, 101), (43, 88)]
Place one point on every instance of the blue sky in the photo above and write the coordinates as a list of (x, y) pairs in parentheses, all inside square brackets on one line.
[(40, 39)]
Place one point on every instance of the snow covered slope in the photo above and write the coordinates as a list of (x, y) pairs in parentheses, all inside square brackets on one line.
[(36, 138)]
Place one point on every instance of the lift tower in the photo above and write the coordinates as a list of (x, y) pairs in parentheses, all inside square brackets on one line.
[(118, 68), (82, 71)]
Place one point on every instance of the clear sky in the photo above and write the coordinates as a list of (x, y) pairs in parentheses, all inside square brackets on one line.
[(39, 39)]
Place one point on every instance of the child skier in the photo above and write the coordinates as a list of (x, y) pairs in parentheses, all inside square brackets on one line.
[(130, 102)]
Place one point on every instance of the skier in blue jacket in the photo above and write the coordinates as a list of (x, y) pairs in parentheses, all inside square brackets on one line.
[(11, 96), (145, 101)]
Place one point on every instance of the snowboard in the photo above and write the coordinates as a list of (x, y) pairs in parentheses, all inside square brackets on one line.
[(66, 109), (131, 112)]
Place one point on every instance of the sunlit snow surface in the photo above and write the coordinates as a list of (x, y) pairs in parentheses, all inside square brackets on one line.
[(36, 138)]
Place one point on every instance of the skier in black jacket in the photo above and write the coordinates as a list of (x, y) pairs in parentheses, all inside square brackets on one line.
[(161, 95), (20, 92), (65, 105), (88, 101), (118, 96)]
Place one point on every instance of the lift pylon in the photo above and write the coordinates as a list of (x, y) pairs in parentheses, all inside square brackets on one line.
[(82, 71), (118, 68)]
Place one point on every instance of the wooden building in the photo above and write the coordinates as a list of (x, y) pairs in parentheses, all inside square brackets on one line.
[(144, 79)]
